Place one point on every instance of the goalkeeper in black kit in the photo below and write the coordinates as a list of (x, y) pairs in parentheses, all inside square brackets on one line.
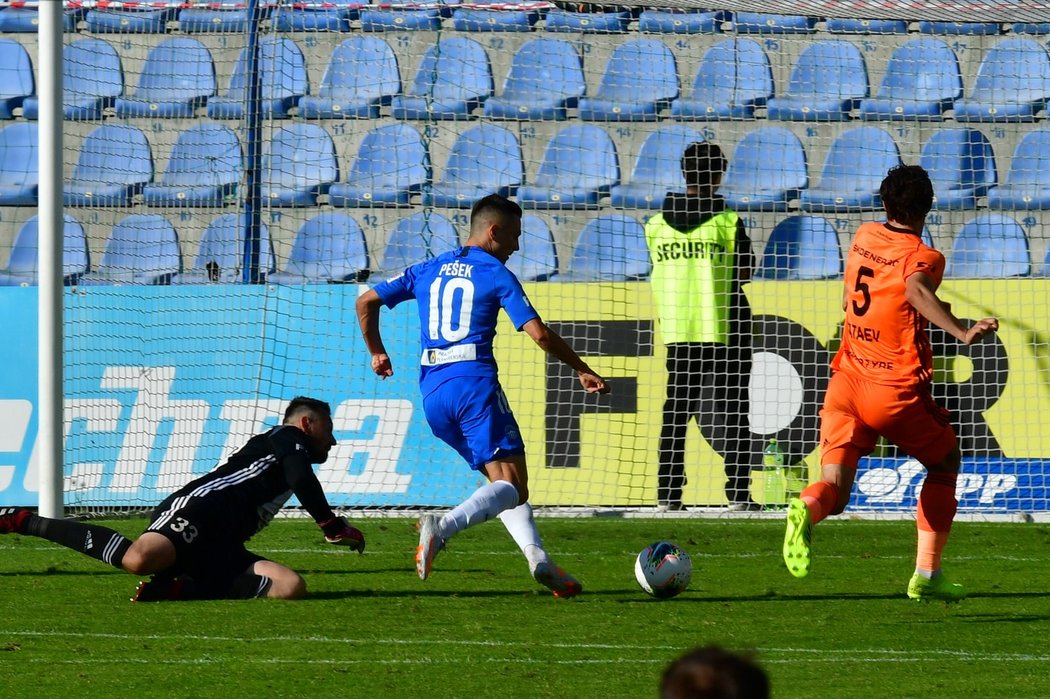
[(193, 547)]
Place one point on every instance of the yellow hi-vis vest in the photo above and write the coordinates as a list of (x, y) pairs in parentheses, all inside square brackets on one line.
[(692, 277)]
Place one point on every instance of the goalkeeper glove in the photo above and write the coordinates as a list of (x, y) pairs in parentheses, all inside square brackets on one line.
[(338, 532)]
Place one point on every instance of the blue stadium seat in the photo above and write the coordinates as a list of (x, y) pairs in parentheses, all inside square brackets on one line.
[(1038, 28), (282, 71), (587, 22), (835, 25), (960, 28), (1027, 183), (990, 246), (329, 16), (213, 20), (92, 79), (484, 160), (1044, 271), (204, 168), (16, 77), (579, 165), (113, 165), (26, 20), (329, 248), (767, 170), (18, 164), (853, 171), (657, 171), (178, 77), (220, 258), (765, 23), (147, 20), (23, 262), (400, 19), (544, 80), (391, 163), (922, 79), (663, 21), (484, 19), (361, 76), (298, 165), (537, 256), (1012, 84), (961, 166), (453, 79), (417, 238), (629, 94), (719, 93), (610, 248), (142, 249), (826, 82), (802, 247)]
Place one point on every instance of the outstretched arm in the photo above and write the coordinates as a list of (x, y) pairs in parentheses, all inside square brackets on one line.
[(553, 344), (368, 307), (921, 294)]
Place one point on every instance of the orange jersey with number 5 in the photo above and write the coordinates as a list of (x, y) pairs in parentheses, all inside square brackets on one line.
[(884, 338)]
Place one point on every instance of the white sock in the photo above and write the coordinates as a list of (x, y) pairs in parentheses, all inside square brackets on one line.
[(484, 503), (522, 528)]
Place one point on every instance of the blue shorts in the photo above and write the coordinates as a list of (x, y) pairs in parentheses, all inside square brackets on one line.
[(473, 417)]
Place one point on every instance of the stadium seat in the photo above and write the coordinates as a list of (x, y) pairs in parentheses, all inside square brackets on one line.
[(282, 75), (400, 19), (22, 264), (142, 249), (960, 28), (961, 166), (1044, 271), (657, 171), (544, 80), (1027, 183), (721, 93), (537, 256), (1012, 84), (503, 19), (329, 16), (417, 238), (178, 77), (26, 20), (361, 76), (328, 249), (213, 20), (579, 165), (610, 248), (826, 83), (629, 94), (92, 79), (113, 165), (767, 170), (298, 165), (663, 21), (16, 77), (764, 23), (204, 168), (18, 164), (146, 20), (484, 160), (990, 246), (220, 258), (922, 79), (853, 171), (391, 164), (453, 79), (587, 22), (1038, 28), (835, 25), (802, 247)]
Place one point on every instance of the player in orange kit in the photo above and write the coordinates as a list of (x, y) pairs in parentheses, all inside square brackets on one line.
[(880, 382)]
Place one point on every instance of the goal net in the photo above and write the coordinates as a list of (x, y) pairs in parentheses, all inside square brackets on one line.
[(235, 180)]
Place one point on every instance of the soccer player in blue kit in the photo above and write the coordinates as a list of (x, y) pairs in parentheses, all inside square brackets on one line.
[(459, 295)]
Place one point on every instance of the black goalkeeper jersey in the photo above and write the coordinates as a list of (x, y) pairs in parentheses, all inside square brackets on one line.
[(250, 488)]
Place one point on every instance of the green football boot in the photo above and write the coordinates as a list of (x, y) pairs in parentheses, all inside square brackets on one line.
[(923, 589), (797, 538)]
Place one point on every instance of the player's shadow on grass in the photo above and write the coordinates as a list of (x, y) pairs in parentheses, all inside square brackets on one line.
[(431, 592)]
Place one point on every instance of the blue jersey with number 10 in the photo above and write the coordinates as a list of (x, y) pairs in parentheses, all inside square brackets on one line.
[(459, 295)]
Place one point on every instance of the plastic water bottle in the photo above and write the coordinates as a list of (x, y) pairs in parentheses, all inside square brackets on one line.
[(773, 474)]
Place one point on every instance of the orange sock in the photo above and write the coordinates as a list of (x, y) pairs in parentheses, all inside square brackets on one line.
[(821, 498), (937, 506)]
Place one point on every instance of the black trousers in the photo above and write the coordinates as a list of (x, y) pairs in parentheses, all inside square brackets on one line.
[(706, 382)]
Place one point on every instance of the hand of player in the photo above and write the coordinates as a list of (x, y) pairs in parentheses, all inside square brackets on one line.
[(381, 365), (338, 532), (592, 383), (979, 329)]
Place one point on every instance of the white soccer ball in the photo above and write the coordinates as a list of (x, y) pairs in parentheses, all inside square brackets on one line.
[(663, 570)]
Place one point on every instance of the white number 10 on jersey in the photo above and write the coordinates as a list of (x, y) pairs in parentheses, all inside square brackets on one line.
[(442, 298)]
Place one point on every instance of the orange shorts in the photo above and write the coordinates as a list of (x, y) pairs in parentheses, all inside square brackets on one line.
[(856, 412)]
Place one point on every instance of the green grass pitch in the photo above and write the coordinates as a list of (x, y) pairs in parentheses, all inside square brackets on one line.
[(481, 628)]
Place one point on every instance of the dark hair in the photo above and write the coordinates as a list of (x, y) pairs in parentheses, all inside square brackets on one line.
[(700, 162), (495, 204), (303, 404), (907, 193), (714, 673)]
